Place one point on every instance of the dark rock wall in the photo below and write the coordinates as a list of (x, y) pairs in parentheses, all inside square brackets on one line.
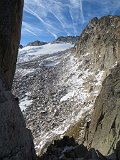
[(15, 139), (10, 29)]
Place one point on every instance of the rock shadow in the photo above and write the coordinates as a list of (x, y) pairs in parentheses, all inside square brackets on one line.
[(68, 149)]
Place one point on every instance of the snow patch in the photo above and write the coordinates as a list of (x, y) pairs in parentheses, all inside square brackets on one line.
[(25, 102), (51, 64), (67, 96), (115, 64), (99, 77), (24, 72)]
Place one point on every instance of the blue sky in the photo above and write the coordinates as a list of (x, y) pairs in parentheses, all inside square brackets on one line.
[(45, 20)]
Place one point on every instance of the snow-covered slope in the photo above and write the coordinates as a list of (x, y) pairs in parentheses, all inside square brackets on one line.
[(30, 52)]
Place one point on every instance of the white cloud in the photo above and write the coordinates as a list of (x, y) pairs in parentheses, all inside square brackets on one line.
[(65, 16), (76, 13), (31, 29), (41, 10)]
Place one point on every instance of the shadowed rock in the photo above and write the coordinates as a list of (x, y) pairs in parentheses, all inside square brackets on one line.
[(10, 29), (15, 140), (68, 149)]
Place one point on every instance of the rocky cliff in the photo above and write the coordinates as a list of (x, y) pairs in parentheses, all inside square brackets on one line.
[(104, 130), (67, 39), (101, 38), (15, 140), (97, 51), (36, 43), (10, 26)]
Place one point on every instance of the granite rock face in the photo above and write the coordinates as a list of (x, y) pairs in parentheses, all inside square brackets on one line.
[(68, 149), (101, 39), (104, 131), (10, 28), (15, 139)]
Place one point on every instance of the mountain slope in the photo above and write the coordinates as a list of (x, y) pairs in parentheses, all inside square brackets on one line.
[(101, 38), (59, 90), (52, 90)]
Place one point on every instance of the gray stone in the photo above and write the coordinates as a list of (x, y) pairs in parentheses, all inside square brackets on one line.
[(15, 139), (10, 29), (105, 124)]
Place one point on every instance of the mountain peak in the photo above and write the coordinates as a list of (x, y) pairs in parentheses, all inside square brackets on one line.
[(66, 39), (36, 43)]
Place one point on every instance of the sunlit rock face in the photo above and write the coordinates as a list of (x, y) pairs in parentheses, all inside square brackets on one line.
[(15, 140), (66, 39), (101, 39), (103, 133)]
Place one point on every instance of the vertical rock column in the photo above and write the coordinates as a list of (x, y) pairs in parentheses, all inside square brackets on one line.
[(10, 29), (15, 139)]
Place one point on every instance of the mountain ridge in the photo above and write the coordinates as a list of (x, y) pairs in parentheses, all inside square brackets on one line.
[(36, 43), (66, 39)]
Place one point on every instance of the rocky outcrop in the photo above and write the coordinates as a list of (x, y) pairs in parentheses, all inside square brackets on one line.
[(36, 43), (101, 39), (15, 139), (104, 130), (20, 46), (68, 149), (10, 26), (67, 39)]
